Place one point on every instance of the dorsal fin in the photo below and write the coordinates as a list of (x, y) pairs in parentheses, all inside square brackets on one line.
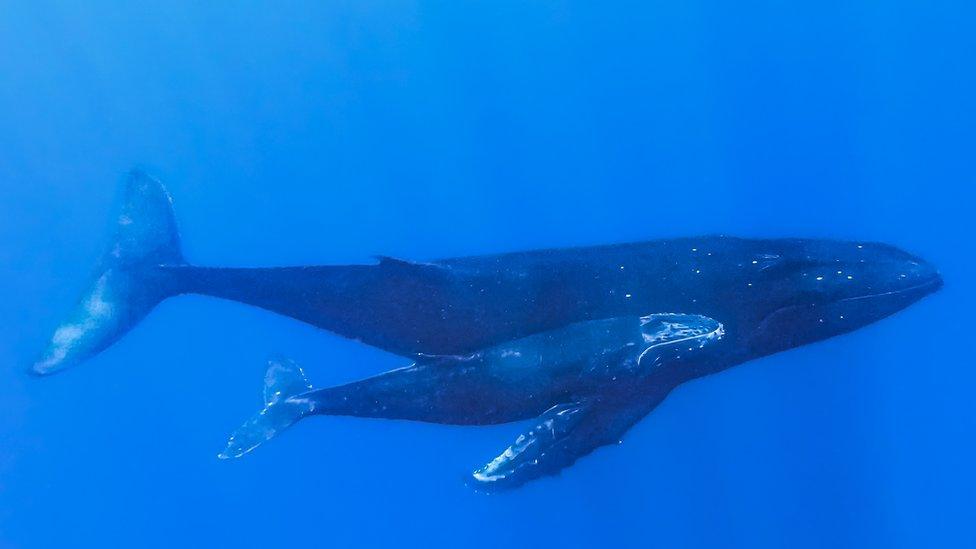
[(388, 262)]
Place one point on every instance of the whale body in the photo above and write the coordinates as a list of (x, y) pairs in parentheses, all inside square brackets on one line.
[(768, 295), (575, 378)]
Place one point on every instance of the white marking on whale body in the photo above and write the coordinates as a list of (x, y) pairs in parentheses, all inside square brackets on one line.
[(674, 333), (66, 337)]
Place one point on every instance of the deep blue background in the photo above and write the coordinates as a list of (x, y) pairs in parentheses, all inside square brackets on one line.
[(293, 134)]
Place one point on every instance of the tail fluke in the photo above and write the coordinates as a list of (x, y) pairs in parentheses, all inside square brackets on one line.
[(129, 281), (283, 381)]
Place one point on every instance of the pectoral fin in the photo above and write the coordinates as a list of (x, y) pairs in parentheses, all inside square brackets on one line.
[(563, 434)]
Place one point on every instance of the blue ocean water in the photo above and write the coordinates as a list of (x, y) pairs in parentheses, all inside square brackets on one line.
[(318, 133)]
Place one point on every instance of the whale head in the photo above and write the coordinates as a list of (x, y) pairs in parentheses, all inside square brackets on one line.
[(818, 289)]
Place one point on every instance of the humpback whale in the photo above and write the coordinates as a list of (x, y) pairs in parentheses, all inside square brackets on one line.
[(588, 340), (604, 375)]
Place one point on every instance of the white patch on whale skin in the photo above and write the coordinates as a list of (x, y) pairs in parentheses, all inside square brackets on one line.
[(496, 469), (96, 308), (491, 472), (677, 332), (97, 305)]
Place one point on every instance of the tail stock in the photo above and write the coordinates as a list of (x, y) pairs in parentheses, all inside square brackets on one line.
[(129, 281)]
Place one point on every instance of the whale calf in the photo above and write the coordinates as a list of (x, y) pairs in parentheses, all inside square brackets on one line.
[(768, 295), (574, 378)]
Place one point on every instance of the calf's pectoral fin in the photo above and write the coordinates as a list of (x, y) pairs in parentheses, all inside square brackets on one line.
[(563, 434)]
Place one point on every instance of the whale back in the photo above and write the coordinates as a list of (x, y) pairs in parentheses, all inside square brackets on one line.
[(601, 350)]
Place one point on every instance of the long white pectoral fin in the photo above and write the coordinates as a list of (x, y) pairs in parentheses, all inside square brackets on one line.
[(563, 434)]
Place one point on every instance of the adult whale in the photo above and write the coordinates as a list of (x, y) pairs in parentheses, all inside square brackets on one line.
[(769, 294)]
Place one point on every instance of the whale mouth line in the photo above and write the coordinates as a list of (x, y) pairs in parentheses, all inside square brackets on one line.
[(932, 284), (926, 287)]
